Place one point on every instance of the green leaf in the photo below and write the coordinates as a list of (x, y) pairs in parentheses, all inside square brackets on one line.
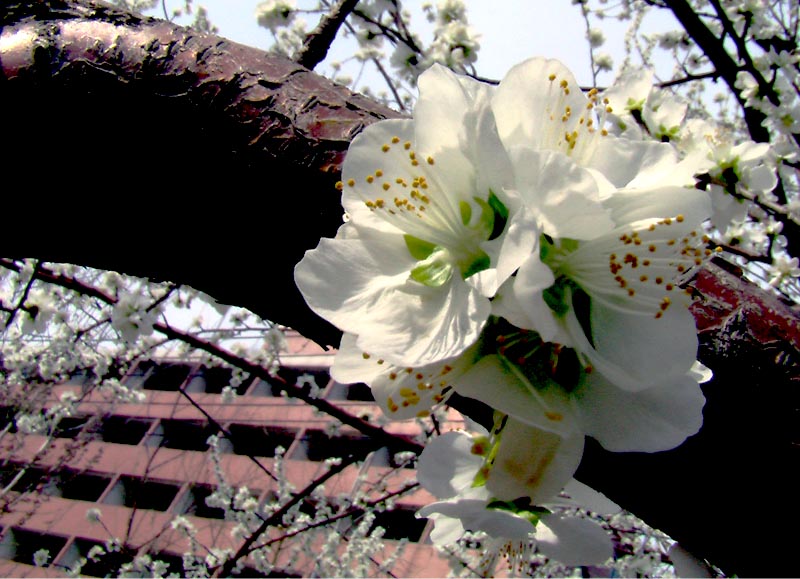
[(419, 248), (554, 298), (466, 212), (434, 271), (500, 215), (479, 263), (485, 224), (521, 506)]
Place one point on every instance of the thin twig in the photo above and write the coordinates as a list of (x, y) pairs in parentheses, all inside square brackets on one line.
[(318, 42)]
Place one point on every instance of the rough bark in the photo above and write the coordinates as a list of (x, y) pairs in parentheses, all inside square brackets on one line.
[(135, 145)]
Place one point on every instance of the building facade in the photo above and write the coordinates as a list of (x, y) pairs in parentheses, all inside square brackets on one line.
[(127, 470)]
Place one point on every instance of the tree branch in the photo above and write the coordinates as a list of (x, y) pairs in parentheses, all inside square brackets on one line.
[(318, 42), (96, 102)]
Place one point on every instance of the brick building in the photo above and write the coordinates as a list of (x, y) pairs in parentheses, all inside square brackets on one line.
[(144, 463)]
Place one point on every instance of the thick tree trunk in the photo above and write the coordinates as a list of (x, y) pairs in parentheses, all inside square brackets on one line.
[(135, 145)]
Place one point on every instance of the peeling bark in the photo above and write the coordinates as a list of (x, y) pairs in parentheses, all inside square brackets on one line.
[(134, 145)]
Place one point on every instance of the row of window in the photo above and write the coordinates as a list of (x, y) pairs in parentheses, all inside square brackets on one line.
[(242, 439), (21, 545), (169, 376), (136, 493)]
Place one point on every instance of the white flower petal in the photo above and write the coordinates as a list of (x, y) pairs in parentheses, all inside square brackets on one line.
[(528, 105), (656, 419), (474, 516), (510, 250), (502, 387), (361, 284), (454, 113), (627, 163), (564, 196), (447, 465), (633, 205), (590, 499), (648, 349), (351, 366), (525, 306), (446, 530), (534, 463), (382, 170), (630, 89), (573, 541)]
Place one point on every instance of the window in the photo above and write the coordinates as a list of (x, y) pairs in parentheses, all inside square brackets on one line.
[(319, 446), (194, 503), (81, 486), (140, 494), (70, 426), (123, 430), (360, 392), (166, 376), (259, 440), (400, 524), (20, 545), (34, 479), (105, 565), (181, 434)]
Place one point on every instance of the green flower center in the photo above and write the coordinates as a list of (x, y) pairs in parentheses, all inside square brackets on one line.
[(436, 263)]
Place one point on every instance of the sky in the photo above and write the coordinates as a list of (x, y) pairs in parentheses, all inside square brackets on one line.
[(510, 31)]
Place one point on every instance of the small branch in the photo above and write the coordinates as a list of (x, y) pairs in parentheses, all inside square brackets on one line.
[(277, 516), (213, 421), (318, 42), (380, 436), (689, 78)]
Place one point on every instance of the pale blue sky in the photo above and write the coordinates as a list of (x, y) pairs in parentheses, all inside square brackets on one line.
[(510, 31)]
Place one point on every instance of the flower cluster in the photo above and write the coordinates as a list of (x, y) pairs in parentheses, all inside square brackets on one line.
[(504, 244)]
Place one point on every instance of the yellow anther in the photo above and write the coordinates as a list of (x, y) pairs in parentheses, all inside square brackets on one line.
[(351, 182), (339, 185), (552, 77), (365, 356), (430, 160), (386, 186), (379, 173), (385, 148), (395, 140), (407, 145), (370, 178)]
